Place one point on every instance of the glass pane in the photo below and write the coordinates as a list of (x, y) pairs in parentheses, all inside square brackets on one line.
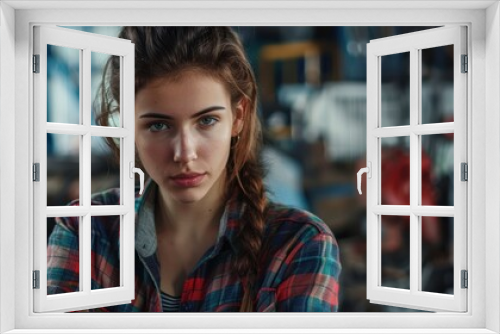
[(110, 115), (63, 255), (395, 174), (63, 84), (395, 92), (437, 170), (395, 251), (437, 84), (437, 254), (63, 169), (105, 252), (105, 165)]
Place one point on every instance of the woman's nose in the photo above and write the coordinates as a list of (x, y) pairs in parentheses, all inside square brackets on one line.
[(185, 148)]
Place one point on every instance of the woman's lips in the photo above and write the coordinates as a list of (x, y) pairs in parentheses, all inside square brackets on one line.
[(187, 180)]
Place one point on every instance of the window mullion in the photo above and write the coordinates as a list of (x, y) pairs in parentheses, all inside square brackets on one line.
[(103, 131), (415, 273), (86, 121), (373, 262), (420, 129), (86, 165), (460, 155), (375, 233), (420, 210), (81, 127), (419, 126)]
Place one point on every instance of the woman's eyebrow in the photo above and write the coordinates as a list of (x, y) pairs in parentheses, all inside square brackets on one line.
[(164, 116)]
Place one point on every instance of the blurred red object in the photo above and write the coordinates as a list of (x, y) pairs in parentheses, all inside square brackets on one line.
[(396, 191)]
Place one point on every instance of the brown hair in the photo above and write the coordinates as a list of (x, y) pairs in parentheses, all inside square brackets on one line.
[(165, 52)]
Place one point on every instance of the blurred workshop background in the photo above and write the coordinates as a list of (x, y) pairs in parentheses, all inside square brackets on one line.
[(312, 83)]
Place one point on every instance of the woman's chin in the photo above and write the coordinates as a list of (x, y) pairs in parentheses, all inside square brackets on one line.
[(188, 196)]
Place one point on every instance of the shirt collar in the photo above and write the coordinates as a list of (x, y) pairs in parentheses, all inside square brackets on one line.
[(145, 230)]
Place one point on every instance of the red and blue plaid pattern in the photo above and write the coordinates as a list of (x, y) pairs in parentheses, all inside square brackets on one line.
[(300, 270)]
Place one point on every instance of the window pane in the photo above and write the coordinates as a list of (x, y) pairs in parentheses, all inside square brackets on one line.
[(437, 254), (63, 169), (395, 251), (63, 84), (105, 165), (437, 170), (395, 173), (395, 94), (63, 255), (437, 84), (111, 90), (105, 252)]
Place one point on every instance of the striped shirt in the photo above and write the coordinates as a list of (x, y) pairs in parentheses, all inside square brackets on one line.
[(298, 273), (170, 303)]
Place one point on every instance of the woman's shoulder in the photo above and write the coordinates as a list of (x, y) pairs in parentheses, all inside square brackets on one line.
[(301, 262), (290, 221), (106, 197), (294, 235)]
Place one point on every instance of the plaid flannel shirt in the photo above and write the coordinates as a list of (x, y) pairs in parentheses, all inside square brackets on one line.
[(299, 273)]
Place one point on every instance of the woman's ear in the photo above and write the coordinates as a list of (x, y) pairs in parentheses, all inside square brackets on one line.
[(239, 117)]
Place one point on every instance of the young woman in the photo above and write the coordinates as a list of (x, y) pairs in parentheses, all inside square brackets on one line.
[(207, 238)]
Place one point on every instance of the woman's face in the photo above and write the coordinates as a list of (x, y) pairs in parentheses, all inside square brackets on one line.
[(183, 135)]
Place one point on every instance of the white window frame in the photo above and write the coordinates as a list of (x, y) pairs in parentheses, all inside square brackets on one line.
[(85, 43), (483, 21), (413, 44)]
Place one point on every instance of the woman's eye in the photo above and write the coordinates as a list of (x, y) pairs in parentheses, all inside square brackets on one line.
[(207, 121), (156, 127)]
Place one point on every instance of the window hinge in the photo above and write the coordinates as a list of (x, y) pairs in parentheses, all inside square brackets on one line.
[(36, 63), (36, 172), (465, 64), (465, 279), (465, 171), (36, 279)]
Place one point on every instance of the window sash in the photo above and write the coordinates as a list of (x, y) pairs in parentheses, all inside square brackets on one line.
[(413, 43), (87, 43)]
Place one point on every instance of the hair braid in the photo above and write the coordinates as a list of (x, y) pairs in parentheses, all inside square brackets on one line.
[(250, 235)]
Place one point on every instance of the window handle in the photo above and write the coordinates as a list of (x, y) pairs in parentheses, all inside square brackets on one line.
[(368, 171), (141, 175)]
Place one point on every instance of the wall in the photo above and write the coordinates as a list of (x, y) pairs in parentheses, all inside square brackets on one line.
[(7, 158), (492, 163)]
